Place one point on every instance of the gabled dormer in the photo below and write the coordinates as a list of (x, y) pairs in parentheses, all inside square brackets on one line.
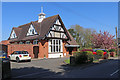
[(31, 31), (13, 34)]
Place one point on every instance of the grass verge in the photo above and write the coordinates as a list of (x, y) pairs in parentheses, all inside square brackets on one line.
[(67, 61)]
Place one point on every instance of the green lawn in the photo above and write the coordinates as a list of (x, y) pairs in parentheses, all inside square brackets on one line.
[(67, 61), (95, 61)]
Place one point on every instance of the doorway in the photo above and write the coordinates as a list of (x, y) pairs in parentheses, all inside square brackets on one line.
[(35, 51), (70, 50)]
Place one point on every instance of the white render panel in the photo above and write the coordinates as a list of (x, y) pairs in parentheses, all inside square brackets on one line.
[(55, 55), (13, 35), (61, 29), (58, 22)]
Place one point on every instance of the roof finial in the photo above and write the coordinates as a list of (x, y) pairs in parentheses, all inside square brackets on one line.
[(41, 9)]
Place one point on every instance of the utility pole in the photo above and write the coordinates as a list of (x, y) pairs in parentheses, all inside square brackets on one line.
[(117, 39)]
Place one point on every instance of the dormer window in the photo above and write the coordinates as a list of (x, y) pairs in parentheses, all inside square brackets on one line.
[(31, 31), (13, 35)]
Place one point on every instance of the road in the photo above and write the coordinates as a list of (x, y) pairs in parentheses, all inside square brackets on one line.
[(110, 69), (54, 68)]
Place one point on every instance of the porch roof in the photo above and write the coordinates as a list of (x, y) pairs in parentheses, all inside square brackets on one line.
[(72, 45)]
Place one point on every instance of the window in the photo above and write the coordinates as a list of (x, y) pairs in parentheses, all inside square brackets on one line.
[(35, 42), (20, 42), (31, 31), (55, 45), (13, 35), (27, 42)]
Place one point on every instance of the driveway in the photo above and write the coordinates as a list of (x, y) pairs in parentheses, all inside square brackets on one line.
[(40, 67)]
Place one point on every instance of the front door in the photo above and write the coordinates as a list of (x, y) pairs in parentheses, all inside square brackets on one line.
[(35, 51), (70, 50)]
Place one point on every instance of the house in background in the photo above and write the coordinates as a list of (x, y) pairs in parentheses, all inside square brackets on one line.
[(46, 37)]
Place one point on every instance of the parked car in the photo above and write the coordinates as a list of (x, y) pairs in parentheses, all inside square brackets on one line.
[(104, 52), (5, 65), (20, 56)]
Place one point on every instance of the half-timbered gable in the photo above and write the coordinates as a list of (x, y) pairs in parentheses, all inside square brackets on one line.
[(57, 30)]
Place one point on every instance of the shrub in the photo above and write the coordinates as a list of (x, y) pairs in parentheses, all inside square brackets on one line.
[(112, 50), (90, 56), (83, 57), (87, 50), (80, 57), (99, 54), (107, 51), (75, 53)]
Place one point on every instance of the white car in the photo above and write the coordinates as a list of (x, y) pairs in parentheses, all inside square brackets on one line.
[(20, 56)]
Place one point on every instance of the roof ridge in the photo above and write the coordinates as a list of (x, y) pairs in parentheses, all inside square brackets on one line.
[(36, 21)]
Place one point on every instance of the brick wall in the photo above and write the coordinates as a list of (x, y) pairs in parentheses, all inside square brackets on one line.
[(21, 47), (43, 49), (5, 42)]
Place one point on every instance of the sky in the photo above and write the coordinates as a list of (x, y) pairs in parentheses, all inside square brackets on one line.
[(96, 15)]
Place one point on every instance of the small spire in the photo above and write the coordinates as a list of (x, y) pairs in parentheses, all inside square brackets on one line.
[(41, 9), (41, 15)]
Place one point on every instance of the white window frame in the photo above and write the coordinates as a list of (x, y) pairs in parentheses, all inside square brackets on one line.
[(27, 42), (54, 46), (35, 42)]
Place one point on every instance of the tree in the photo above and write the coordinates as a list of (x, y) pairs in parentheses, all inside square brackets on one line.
[(82, 35), (72, 32), (103, 40)]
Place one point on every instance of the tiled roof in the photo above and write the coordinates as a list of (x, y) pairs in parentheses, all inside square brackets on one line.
[(72, 41), (42, 28)]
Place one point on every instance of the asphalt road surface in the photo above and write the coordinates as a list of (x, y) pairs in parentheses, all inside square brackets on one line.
[(55, 68), (110, 69)]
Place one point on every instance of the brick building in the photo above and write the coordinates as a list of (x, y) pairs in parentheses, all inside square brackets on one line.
[(46, 37)]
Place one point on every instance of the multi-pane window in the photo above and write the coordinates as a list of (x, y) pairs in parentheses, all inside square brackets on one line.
[(27, 42), (35, 42), (55, 45)]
